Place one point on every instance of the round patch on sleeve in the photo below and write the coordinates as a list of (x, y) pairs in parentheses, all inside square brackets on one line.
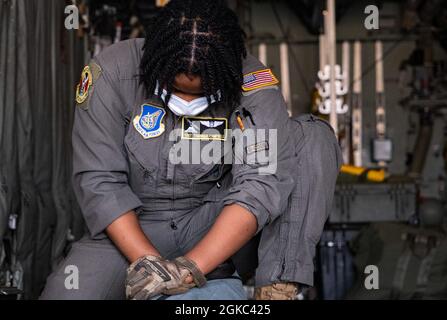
[(82, 90)]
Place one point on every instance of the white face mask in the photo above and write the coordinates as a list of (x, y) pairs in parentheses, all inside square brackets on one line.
[(181, 107)]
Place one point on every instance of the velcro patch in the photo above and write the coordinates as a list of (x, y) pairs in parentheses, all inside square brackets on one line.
[(259, 147), (259, 79), (149, 123), (83, 87), (207, 129), (90, 74)]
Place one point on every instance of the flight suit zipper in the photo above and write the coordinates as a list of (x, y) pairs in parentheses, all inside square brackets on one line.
[(175, 122), (283, 245)]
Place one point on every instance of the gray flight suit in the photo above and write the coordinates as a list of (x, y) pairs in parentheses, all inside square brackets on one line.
[(116, 170), (287, 247)]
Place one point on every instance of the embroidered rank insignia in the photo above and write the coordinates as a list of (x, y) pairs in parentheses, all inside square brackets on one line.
[(207, 129), (82, 90), (259, 79), (150, 122)]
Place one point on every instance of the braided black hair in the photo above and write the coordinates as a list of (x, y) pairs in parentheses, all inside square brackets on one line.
[(195, 37)]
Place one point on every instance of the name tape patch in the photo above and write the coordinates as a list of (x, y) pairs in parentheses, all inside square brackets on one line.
[(259, 147)]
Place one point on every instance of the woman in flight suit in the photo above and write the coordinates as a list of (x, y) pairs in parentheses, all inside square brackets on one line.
[(176, 224)]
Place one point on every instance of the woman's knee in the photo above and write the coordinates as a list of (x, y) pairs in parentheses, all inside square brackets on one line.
[(91, 271)]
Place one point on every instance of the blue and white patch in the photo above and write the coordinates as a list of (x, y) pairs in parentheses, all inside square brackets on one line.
[(150, 122)]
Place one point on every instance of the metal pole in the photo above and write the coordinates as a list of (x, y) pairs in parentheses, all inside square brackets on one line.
[(380, 96), (357, 144), (263, 53), (380, 91), (323, 52), (332, 50), (285, 75), (346, 65)]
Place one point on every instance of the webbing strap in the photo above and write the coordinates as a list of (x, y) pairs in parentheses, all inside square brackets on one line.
[(424, 272), (401, 272)]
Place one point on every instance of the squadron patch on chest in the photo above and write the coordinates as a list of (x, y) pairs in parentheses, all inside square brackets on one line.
[(149, 123), (206, 129)]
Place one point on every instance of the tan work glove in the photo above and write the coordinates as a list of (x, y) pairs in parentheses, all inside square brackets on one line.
[(277, 291), (151, 276)]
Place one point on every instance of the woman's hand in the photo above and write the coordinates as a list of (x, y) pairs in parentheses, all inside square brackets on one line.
[(150, 277)]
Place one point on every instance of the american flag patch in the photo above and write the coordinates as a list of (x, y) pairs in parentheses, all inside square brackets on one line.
[(259, 79)]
